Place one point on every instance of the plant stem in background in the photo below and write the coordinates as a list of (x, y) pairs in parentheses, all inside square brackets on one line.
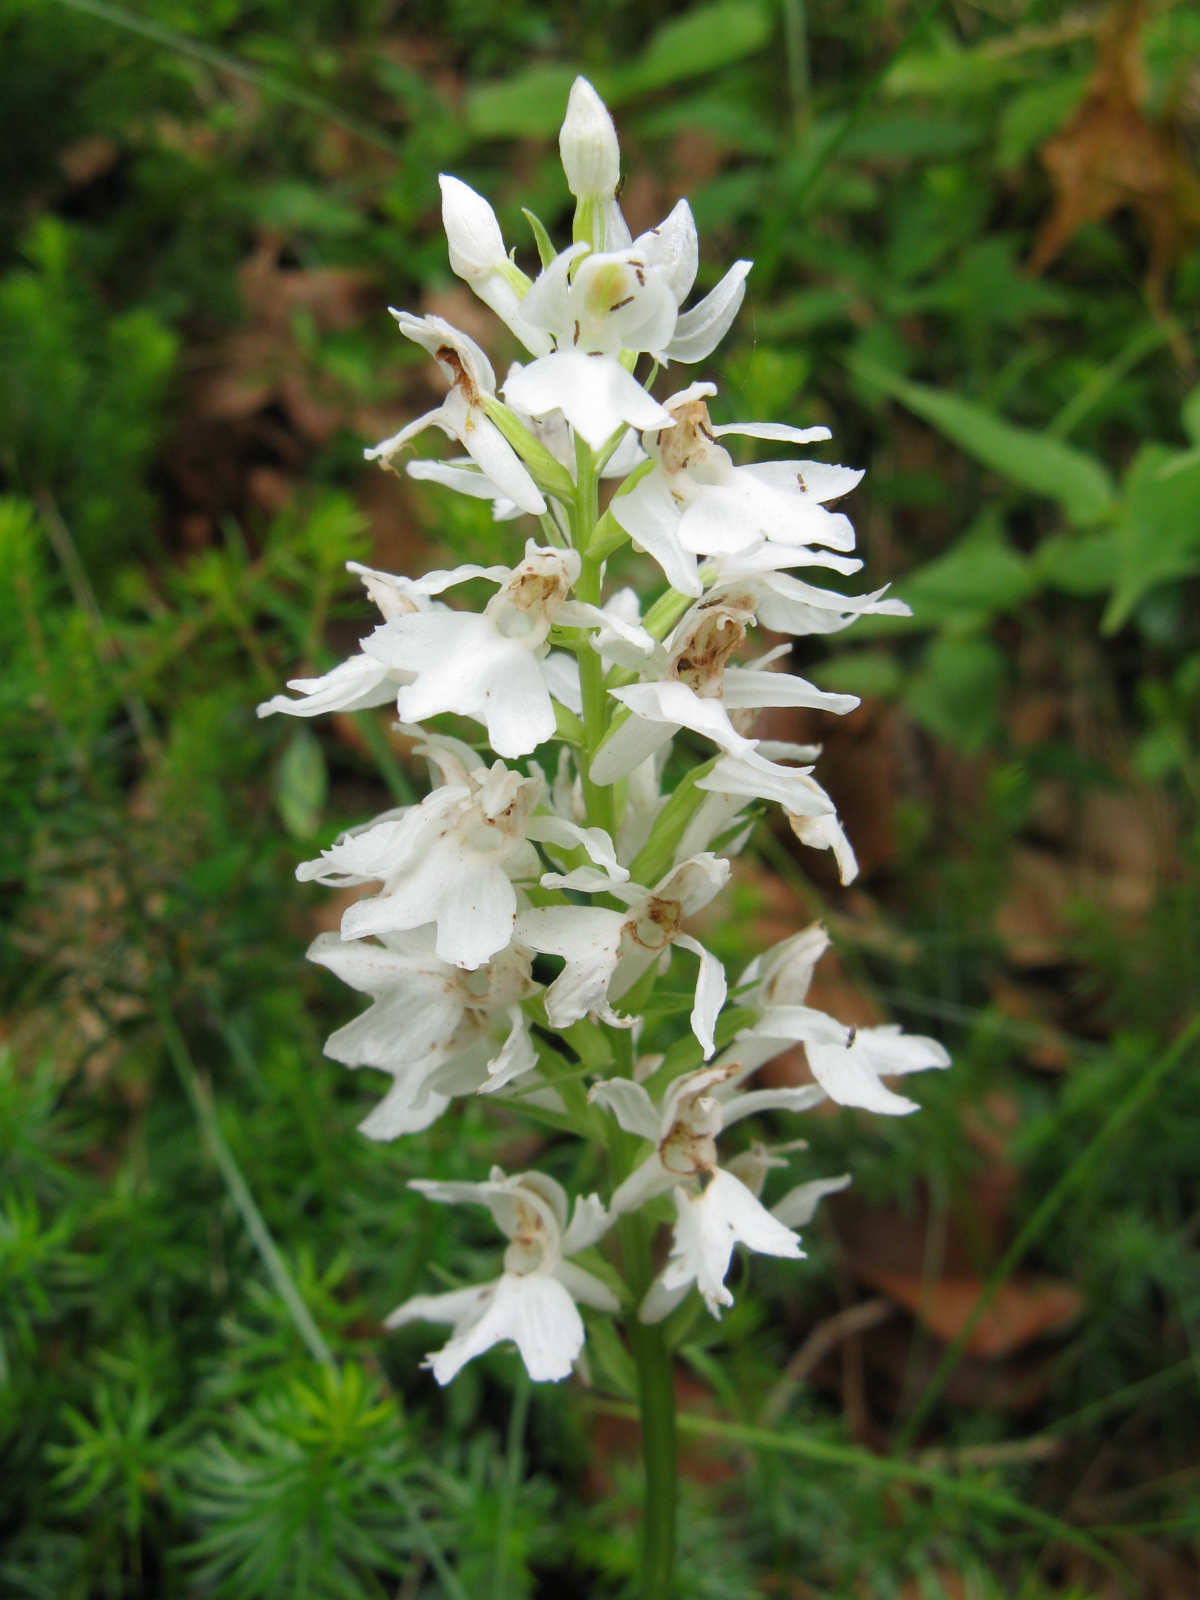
[(795, 29), (1040, 1220), (239, 1189)]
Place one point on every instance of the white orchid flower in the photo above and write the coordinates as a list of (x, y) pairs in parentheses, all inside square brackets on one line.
[(759, 774), (533, 1303), (607, 951), (690, 684), (451, 860), (478, 256), (461, 415), (696, 502), (487, 665), (696, 1108), (849, 1062), (786, 604), (359, 683), (426, 1019)]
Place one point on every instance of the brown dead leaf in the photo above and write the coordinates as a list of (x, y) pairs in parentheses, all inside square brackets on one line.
[(1025, 1309), (1031, 920), (88, 158), (1110, 157)]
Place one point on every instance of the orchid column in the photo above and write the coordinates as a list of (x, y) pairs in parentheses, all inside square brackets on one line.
[(525, 909)]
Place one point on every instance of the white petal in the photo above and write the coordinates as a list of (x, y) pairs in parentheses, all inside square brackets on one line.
[(457, 1307), (404, 1109), (709, 1225), (594, 393), (695, 882), (473, 904), (822, 480), (403, 1025), (589, 939), (435, 334), (630, 1104), (799, 1204), (700, 330), (516, 1058), (675, 246), (801, 1098), (744, 687), (783, 975), (892, 1051), (646, 1182), (651, 518), (782, 431), (659, 1302), (850, 1080), (434, 582), (629, 744), (585, 1287), (711, 990), (758, 779), (461, 663), (827, 833), (354, 685), (536, 1313), (567, 835), (497, 459), (679, 706), (463, 480), (589, 1222), (472, 231), (561, 672), (546, 303), (625, 642), (387, 448)]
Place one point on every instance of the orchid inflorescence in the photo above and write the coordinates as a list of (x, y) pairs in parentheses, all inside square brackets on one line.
[(584, 858)]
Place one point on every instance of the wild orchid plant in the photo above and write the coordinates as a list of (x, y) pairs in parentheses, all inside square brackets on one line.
[(500, 866)]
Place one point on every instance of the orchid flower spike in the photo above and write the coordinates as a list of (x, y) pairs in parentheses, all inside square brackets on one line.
[(594, 767)]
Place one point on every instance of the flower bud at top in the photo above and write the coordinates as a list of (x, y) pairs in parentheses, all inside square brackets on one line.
[(591, 157)]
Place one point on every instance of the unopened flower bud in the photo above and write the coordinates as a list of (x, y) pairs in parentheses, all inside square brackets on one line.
[(591, 157), (472, 231)]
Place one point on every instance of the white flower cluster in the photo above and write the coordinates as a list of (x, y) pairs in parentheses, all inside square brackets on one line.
[(501, 866)]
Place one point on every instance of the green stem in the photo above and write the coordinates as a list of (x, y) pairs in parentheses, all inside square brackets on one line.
[(656, 1380), (656, 1405), (598, 798)]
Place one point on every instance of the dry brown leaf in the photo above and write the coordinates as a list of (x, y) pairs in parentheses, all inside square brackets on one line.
[(1025, 1309), (1110, 157)]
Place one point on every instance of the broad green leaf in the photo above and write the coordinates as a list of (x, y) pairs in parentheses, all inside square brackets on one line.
[(1035, 461), (1031, 117), (980, 577), (303, 784), (948, 69), (529, 106), (532, 104), (1079, 564), (1190, 416), (708, 37), (862, 672), (908, 137), (955, 693), (1159, 532)]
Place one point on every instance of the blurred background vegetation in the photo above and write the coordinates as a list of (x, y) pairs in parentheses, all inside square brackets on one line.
[(975, 230)]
